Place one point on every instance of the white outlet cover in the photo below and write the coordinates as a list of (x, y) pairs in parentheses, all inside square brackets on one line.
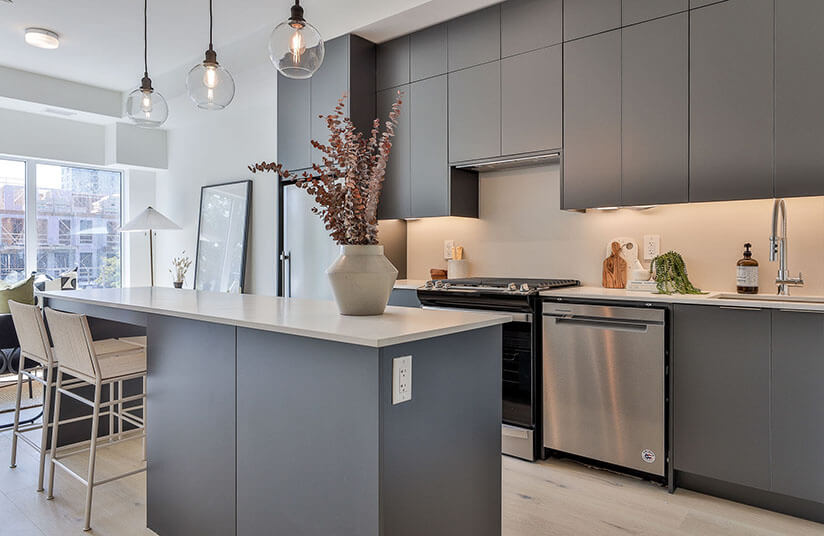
[(401, 379), (652, 246), (447, 249)]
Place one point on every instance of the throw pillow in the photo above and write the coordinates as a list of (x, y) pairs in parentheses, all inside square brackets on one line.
[(21, 292)]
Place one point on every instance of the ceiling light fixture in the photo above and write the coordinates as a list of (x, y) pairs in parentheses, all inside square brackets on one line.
[(42, 38), (295, 46), (146, 107), (210, 86)]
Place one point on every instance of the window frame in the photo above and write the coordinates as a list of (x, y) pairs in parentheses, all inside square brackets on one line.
[(30, 239)]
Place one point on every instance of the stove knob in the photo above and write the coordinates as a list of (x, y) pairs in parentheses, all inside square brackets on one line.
[(512, 287), (438, 284), (525, 287), (429, 284), (446, 286)]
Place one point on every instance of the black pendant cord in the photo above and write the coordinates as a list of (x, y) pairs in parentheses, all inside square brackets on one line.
[(145, 39), (210, 25)]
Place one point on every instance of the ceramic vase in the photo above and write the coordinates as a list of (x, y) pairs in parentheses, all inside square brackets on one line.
[(178, 284), (362, 279)]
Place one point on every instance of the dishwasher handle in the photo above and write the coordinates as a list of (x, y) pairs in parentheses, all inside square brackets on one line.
[(603, 323)]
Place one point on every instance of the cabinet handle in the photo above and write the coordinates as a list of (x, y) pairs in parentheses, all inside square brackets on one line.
[(814, 311), (738, 308)]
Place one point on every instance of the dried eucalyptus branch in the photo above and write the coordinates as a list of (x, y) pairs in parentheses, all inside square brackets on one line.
[(347, 182)]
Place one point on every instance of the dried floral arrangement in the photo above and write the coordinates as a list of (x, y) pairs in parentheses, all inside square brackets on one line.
[(181, 266), (347, 185)]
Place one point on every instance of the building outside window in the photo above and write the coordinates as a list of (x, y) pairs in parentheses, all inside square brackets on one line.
[(77, 216)]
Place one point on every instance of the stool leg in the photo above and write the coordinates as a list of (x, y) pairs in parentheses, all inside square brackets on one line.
[(145, 409), (92, 455), (119, 409), (55, 429), (111, 411), (44, 435), (14, 432)]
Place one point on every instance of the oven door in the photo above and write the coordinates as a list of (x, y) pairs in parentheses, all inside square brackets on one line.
[(518, 382)]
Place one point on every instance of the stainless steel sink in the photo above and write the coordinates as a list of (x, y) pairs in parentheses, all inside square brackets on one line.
[(770, 297)]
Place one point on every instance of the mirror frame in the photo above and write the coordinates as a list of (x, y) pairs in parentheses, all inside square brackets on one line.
[(248, 216)]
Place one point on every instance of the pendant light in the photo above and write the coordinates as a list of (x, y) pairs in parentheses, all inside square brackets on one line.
[(210, 86), (295, 46), (145, 106)]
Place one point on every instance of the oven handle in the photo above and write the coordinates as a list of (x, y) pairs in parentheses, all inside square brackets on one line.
[(516, 317)]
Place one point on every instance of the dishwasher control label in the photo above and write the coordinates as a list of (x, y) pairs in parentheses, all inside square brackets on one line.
[(648, 456)]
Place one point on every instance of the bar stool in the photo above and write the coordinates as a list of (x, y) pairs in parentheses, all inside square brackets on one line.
[(96, 363), (34, 346)]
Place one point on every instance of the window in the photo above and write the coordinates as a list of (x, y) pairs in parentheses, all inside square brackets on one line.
[(85, 204), (76, 213), (12, 211)]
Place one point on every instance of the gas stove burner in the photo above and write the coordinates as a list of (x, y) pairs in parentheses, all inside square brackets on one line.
[(499, 285)]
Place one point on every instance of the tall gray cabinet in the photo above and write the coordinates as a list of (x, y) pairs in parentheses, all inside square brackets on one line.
[(731, 101), (799, 86)]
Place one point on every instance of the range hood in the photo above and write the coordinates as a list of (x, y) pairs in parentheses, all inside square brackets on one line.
[(511, 162)]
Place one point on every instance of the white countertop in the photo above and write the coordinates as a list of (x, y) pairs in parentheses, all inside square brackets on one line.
[(307, 318), (409, 284), (726, 299)]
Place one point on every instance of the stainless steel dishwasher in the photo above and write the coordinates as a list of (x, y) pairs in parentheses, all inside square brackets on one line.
[(603, 372)]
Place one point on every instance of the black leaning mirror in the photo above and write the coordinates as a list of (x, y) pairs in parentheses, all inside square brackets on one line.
[(222, 236)]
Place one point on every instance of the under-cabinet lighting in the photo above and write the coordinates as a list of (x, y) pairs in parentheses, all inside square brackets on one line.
[(42, 38)]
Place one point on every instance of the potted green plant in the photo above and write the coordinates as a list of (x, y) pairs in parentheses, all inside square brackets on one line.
[(346, 186), (670, 274)]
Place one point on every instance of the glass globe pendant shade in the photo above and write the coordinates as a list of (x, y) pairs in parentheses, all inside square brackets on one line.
[(296, 47), (210, 86), (146, 107)]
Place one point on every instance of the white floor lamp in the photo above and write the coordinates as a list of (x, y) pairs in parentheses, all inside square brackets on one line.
[(150, 220)]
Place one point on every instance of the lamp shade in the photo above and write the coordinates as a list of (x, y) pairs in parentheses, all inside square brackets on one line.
[(149, 220)]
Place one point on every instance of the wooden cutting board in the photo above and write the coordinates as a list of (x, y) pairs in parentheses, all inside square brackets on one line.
[(614, 269)]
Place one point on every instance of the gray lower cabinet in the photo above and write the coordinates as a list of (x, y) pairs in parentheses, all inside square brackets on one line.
[(532, 101), (797, 439), (731, 101), (392, 63), (655, 112), (635, 11), (475, 112), (529, 25), (404, 297), (427, 52), (474, 38), (588, 17), (721, 401), (592, 122), (799, 81), (396, 195), (293, 123)]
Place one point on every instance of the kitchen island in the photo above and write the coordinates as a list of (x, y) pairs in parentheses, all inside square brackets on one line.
[(276, 416)]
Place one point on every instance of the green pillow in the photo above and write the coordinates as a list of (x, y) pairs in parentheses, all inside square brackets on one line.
[(21, 292)]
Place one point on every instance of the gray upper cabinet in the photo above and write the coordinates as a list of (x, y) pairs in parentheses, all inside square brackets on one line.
[(731, 101), (634, 11), (475, 113), (721, 393), (799, 85), (428, 52), (700, 3), (293, 123), (529, 25), (532, 101), (798, 405), (588, 17), (655, 112), (592, 122), (395, 197), (393, 63), (430, 166), (348, 68), (474, 38)]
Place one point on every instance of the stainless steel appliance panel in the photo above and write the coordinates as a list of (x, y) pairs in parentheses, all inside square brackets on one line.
[(604, 384)]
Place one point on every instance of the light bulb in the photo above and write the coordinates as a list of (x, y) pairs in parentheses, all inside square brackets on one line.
[(146, 103), (210, 76), (210, 95), (296, 45)]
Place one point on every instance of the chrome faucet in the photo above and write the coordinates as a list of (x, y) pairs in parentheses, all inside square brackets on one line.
[(778, 247)]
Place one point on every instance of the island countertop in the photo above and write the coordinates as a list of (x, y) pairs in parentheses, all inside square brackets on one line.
[(308, 318)]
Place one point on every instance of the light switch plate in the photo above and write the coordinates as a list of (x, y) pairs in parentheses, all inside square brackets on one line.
[(447, 248), (401, 379), (652, 246)]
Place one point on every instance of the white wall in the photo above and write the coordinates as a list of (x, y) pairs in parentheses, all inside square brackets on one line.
[(213, 147), (139, 193), (522, 232)]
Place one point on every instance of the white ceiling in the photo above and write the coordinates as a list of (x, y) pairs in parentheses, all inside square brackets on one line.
[(101, 41)]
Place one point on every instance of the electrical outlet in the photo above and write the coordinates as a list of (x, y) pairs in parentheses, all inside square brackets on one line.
[(401, 379), (652, 246), (447, 248)]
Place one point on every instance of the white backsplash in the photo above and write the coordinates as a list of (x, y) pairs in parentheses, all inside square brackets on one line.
[(522, 232)]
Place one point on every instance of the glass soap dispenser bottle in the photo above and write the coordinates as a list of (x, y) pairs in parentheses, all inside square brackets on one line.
[(747, 276)]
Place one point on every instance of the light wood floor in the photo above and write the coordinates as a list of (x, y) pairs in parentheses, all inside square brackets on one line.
[(550, 498)]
